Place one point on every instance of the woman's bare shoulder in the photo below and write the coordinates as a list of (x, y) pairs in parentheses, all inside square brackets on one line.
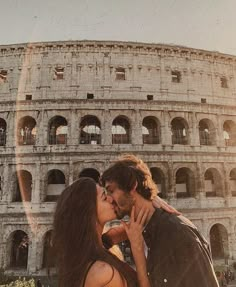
[(103, 274)]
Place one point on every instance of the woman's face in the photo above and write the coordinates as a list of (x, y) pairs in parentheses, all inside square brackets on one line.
[(105, 208)]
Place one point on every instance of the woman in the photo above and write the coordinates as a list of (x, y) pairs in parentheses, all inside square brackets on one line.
[(81, 213)]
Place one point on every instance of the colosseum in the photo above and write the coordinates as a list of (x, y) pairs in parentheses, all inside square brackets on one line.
[(70, 108)]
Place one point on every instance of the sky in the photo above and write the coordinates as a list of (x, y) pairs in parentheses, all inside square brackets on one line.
[(203, 24)]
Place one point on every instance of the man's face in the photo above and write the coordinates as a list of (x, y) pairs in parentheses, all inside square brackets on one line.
[(122, 201)]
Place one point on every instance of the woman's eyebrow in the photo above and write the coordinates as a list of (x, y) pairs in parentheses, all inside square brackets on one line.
[(103, 193)]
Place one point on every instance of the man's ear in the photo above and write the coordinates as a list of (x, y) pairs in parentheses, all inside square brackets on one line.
[(133, 190)]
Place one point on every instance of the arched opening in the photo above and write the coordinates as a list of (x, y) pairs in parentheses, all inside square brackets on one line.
[(49, 255), (159, 179), (185, 183), (233, 181), (26, 131), (22, 186), (120, 131), (19, 246), (219, 242), (179, 129), (151, 131), (3, 132), (90, 172), (90, 130), (207, 132), (57, 131), (56, 183), (229, 133), (213, 183)]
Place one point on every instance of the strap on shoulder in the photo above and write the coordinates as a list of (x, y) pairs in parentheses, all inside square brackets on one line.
[(111, 276), (87, 271)]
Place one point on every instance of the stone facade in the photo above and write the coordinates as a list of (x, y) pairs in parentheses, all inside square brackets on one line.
[(72, 107)]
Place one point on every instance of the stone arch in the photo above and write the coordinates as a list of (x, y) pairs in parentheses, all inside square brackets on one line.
[(90, 130), (180, 131), (22, 189), (213, 183), (57, 130), (121, 130), (49, 255), (17, 250), (151, 130), (185, 183), (159, 179), (232, 181), (219, 241), (26, 131), (56, 183), (229, 133), (12, 228), (207, 132), (90, 172), (3, 132)]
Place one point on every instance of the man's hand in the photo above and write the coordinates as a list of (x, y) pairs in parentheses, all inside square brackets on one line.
[(160, 203), (115, 235)]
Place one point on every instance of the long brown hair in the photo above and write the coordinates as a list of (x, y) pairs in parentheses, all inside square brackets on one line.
[(75, 235)]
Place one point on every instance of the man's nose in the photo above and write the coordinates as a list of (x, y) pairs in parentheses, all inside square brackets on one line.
[(109, 198)]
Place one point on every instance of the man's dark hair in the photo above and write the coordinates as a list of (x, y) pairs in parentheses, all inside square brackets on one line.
[(129, 170)]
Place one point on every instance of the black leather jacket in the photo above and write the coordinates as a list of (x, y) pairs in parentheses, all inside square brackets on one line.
[(178, 255)]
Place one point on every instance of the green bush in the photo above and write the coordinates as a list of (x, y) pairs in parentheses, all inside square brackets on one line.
[(21, 283)]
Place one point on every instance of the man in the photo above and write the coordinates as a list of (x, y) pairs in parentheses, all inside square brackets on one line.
[(177, 254)]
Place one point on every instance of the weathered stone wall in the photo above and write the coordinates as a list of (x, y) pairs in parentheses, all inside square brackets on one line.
[(90, 67)]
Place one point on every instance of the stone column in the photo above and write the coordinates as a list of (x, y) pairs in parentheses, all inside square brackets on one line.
[(219, 133), (227, 189), (166, 130), (74, 79), (73, 131), (200, 178), (106, 70), (2, 247), (71, 172), (195, 140), (171, 190), (3, 250), (39, 245), (32, 255), (106, 128), (11, 132), (228, 192), (40, 130), (6, 185), (200, 184), (79, 116), (163, 75), (36, 190), (204, 230), (136, 128), (44, 128), (231, 236)]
